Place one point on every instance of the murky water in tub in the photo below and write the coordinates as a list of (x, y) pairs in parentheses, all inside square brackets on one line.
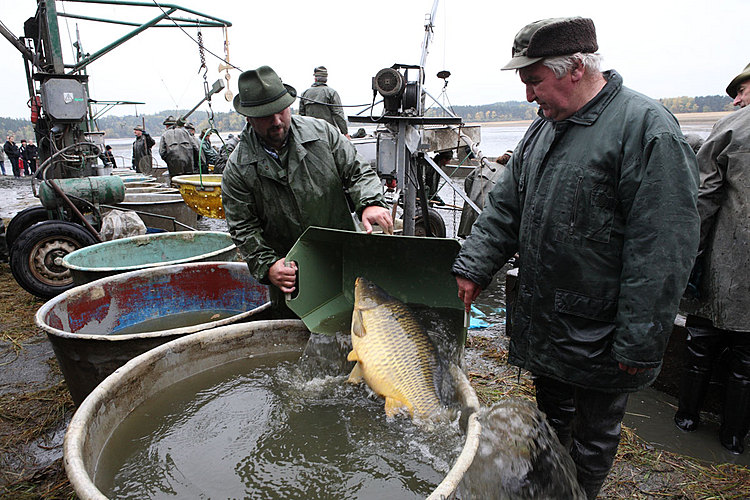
[(257, 428), (177, 320)]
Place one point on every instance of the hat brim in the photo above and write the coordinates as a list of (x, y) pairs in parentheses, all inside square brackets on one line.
[(519, 62), (734, 85), (267, 109)]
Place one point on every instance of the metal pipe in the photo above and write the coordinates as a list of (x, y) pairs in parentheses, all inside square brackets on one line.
[(96, 55), (75, 210)]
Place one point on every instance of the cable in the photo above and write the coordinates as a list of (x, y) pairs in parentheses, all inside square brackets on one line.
[(334, 105), (193, 39)]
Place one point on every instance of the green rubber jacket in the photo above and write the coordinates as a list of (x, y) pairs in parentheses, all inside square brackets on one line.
[(268, 207), (601, 208)]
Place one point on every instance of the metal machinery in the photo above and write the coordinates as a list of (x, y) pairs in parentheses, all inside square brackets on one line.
[(68, 140), (403, 139)]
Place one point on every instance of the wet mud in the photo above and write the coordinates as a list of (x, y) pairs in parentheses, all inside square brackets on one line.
[(35, 406)]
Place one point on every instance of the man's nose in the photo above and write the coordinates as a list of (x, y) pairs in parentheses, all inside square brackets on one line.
[(737, 100), (530, 95)]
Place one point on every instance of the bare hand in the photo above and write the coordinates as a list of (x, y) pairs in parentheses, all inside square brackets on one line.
[(283, 276), (377, 215), (467, 291), (631, 370)]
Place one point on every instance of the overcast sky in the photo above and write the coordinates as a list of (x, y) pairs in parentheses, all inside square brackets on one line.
[(662, 48)]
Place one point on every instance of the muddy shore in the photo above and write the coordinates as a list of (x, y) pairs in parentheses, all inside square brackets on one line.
[(35, 407)]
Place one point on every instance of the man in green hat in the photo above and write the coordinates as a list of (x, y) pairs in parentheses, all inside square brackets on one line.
[(599, 202), (717, 302), (288, 173)]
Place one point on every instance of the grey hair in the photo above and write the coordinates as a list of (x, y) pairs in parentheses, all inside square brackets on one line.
[(561, 65)]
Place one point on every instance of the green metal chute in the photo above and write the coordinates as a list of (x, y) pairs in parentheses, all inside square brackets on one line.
[(413, 269)]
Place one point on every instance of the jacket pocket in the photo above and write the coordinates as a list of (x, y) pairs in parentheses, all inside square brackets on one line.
[(583, 306)]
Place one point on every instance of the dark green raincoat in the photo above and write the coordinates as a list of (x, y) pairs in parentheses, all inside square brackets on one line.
[(601, 208), (268, 207)]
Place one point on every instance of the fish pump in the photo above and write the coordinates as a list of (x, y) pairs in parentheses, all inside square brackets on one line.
[(401, 96)]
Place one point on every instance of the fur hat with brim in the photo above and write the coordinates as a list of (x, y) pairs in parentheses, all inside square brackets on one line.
[(261, 93), (560, 36), (734, 85)]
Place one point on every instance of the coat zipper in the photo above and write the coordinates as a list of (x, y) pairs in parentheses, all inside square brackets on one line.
[(575, 205)]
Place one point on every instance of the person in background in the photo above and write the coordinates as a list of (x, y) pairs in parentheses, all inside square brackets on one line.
[(476, 185), (599, 201), (13, 154), (321, 101), (108, 156), (22, 154), (208, 151), (2, 161), (30, 157), (289, 172), (141, 147), (717, 300), (177, 148), (225, 151), (200, 156)]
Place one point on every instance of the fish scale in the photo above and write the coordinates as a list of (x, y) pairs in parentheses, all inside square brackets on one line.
[(394, 355)]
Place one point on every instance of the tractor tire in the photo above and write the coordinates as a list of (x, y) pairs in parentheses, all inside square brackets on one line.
[(22, 221), (436, 222), (36, 256)]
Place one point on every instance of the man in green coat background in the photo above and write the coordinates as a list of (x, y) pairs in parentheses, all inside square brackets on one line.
[(599, 201), (288, 173), (717, 302), (321, 101)]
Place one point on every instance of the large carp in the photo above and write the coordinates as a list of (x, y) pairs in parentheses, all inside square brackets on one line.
[(394, 354)]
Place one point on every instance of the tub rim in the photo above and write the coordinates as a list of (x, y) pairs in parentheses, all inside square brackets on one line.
[(74, 442), (50, 330), (152, 236)]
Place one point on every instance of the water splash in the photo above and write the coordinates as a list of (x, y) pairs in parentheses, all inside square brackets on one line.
[(519, 457)]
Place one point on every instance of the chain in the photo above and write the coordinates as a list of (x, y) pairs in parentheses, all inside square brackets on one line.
[(202, 54)]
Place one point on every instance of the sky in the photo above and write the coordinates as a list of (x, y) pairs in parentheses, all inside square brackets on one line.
[(662, 48)]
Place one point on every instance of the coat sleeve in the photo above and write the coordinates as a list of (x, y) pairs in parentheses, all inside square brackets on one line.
[(494, 236), (712, 162), (243, 222), (658, 196), (302, 104)]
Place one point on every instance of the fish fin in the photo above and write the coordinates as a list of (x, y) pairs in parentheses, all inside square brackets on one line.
[(352, 356), (356, 375), (358, 326), (393, 406)]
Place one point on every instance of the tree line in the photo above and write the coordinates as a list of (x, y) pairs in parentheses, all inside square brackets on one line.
[(122, 126)]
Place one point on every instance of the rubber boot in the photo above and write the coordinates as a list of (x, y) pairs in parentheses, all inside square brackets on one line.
[(735, 419), (693, 388)]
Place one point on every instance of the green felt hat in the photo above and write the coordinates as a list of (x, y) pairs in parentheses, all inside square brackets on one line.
[(261, 93), (732, 88)]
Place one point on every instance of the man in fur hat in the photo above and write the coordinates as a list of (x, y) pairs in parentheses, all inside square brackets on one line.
[(599, 201)]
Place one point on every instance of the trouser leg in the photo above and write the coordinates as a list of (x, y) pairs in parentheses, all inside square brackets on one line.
[(596, 436), (587, 423), (555, 400), (735, 419), (703, 344)]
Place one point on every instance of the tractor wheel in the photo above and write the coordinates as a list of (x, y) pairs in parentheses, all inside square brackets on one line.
[(22, 221), (37, 254), (436, 222)]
